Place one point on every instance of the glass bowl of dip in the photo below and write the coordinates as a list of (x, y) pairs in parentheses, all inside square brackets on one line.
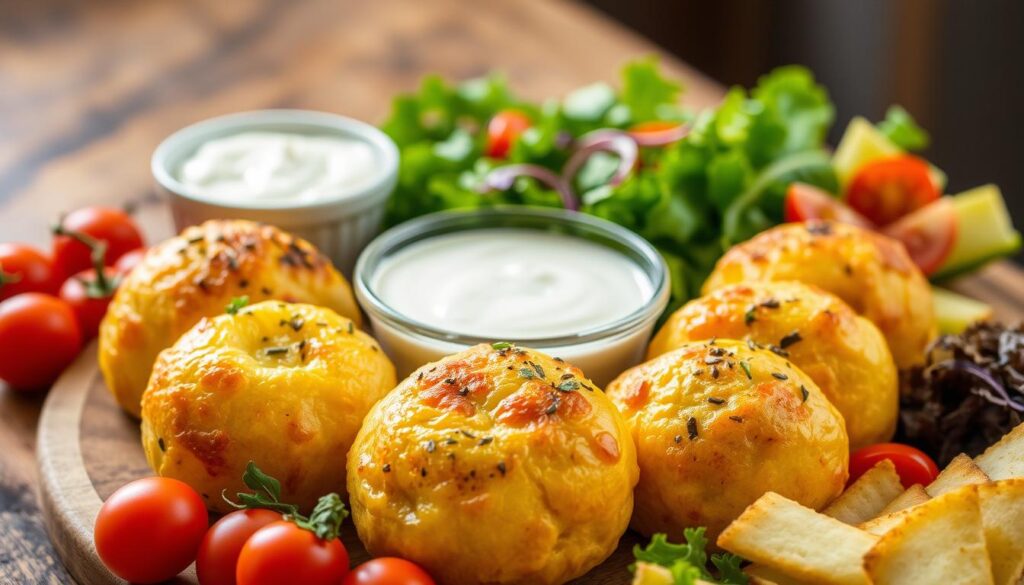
[(321, 176), (571, 285)]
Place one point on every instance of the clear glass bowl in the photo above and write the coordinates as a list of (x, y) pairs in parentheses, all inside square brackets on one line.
[(602, 352)]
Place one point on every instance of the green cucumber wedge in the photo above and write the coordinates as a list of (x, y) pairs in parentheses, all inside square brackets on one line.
[(862, 143), (984, 232), (955, 312)]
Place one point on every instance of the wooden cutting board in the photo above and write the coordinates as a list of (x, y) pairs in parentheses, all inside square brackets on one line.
[(87, 448)]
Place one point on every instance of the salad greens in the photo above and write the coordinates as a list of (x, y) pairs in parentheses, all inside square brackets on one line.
[(689, 562), (724, 181)]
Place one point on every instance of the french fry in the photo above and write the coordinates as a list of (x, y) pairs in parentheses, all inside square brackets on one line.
[(913, 496), (1004, 459), (797, 541), (1002, 514), (762, 575), (868, 496), (961, 471), (940, 541)]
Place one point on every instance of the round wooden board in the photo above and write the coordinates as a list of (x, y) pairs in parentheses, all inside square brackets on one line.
[(87, 448)]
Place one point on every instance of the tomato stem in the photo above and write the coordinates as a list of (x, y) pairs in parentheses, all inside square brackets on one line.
[(8, 277), (102, 286)]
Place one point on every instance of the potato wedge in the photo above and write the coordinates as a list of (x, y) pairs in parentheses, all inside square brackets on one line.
[(1004, 459), (1002, 515), (913, 496), (961, 471), (868, 496), (781, 534), (763, 575), (940, 541)]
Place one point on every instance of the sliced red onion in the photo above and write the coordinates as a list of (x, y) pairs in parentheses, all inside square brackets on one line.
[(502, 179), (661, 137), (614, 141)]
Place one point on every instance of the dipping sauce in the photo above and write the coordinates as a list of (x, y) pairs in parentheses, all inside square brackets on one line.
[(510, 283), (278, 167)]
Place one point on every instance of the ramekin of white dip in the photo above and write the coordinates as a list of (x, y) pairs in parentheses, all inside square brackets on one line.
[(565, 283), (321, 176)]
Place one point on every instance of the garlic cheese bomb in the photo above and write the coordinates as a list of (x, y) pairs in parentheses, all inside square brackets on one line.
[(718, 424), (869, 271), (194, 275), (496, 465), (283, 385), (845, 354)]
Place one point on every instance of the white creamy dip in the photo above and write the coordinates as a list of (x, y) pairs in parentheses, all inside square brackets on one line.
[(509, 283), (277, 167)]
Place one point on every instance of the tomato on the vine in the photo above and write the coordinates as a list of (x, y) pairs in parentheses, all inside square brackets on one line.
[(149, 530), (39, 336), (89, 296), (503, 130), (25, 269), (112, 226), (913, 465), (283, 552), (388, 571), (129, 261), (218, 554), (887, 189)]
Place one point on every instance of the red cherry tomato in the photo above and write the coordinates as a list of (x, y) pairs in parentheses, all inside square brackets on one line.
[(388, 571), (218, 553), (150, 529), (503, 130), (126, 263), (928, 234), (112, 226), (24, 269), (806, 202), (39, 337), (284, 553), (912, 465), (90, 298), (888, 189)]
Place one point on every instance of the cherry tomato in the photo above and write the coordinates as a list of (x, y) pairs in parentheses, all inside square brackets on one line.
[(149, 530), (806, 202), (503, 130), (112, 226), (388, 571), (284, 553), (39, 337), (928, 234), (126, 263), (89, 297), (24, 269), (218, 553), (887, 189), (912, 465)]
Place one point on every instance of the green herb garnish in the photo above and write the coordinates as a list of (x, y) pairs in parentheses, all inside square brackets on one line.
[(236, 305), (688, 562)]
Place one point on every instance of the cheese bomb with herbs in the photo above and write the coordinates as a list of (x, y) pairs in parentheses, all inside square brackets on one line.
[(283, 385), (845, 354), (195, 275), (869, 271), (716, 425), (496, 465)]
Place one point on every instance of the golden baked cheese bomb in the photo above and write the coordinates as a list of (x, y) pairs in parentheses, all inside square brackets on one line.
[(497, 465), (194, 275), (845, 354), (284, 385), (868, 270), (718, 424)]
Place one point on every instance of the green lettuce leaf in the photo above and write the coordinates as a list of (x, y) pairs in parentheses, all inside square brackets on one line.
[(902, 130), (688, 561)]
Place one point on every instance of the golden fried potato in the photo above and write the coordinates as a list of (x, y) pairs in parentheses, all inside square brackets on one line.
[(845, 354), (283, 385), (869, 271), (496, 466), (718, 425), (194, 275)]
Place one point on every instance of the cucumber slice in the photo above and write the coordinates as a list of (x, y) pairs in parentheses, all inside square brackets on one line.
[(984, 231), (954, 312), (862, 143)]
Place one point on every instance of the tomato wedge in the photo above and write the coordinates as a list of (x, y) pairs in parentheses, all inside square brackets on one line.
[(807, 202), (928, 234), (889, 188)]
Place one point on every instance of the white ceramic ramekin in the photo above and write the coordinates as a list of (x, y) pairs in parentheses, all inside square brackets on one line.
[(602, 351), (340, 226)]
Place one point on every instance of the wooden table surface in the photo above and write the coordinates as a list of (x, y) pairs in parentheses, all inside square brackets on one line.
[(89, 88)]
